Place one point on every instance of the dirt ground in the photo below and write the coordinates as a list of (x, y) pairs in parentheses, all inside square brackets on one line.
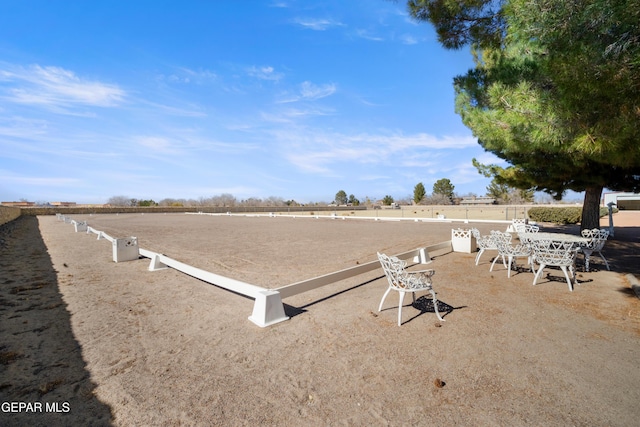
[(101, 343)]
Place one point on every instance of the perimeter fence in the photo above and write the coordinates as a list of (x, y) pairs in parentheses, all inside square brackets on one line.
[(8, 214), (459, 212)]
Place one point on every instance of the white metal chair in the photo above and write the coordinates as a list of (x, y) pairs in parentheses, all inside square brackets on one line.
[(525, 231), (485, 243), (559, 254), (515, 223), (597, 239), (405, 281), (511, 252), (526, 228)]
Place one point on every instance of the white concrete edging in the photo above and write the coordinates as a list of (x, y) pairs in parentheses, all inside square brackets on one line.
[(268, 308)]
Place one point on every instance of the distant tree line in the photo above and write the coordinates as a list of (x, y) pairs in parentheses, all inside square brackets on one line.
[(342, 199), (222, 200), (442, 194)]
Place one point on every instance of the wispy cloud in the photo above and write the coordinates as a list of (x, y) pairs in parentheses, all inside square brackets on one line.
[(368, 35), (23, 128), (308, 91), (408, 39), (157, 144), (48, 181), (264, 73), (189, 111), (325, 153), (186, 75), (317, 24), (293, 115), (420, 140), (56, 88)]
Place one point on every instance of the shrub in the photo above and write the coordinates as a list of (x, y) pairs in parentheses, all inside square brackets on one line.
[(561, 215), (556, 215), (605, 211)]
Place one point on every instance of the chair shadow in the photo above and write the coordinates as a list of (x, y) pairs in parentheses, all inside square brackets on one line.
[(40, 359), (515, 268), (292, 311), (424, 304), (560, 277)]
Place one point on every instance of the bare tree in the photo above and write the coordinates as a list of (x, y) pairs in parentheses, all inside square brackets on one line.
[(119, 201)]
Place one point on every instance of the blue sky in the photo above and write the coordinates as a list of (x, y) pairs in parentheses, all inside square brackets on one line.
[(189, 99)]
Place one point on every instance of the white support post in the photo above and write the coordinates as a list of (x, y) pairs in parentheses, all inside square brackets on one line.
[(268, 309), (423, 256), (156, 264)]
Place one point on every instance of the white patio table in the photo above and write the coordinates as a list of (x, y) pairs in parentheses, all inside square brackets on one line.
[(557, 237), (576, 241)]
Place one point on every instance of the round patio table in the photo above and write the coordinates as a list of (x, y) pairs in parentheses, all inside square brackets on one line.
[(557, 237)]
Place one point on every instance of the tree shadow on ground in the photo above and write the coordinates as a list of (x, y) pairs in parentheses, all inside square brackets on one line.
[(40, 360)]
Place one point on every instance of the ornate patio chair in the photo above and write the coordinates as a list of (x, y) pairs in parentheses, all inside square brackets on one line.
[(524, 233), (485, 243), (526, 228), (515, 223), (553, 253), (405, 281), (597, 239), (511, 252)]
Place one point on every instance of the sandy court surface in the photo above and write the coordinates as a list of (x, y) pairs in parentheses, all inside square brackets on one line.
[(125, 346), (271, 252)]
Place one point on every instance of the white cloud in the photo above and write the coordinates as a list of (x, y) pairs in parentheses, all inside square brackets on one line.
[(370, 177), (310, 91), (290, 115), (23, 128), (175, 111), (365, 34), (264, 73), (157, 144), (400, 141), (408, 39), (186, 75), (317, 24), (487, 158), (322, 153), (56, 87), (48, 181)]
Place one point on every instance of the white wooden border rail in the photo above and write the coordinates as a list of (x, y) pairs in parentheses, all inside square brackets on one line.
[(353, 218), (268, 308)]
